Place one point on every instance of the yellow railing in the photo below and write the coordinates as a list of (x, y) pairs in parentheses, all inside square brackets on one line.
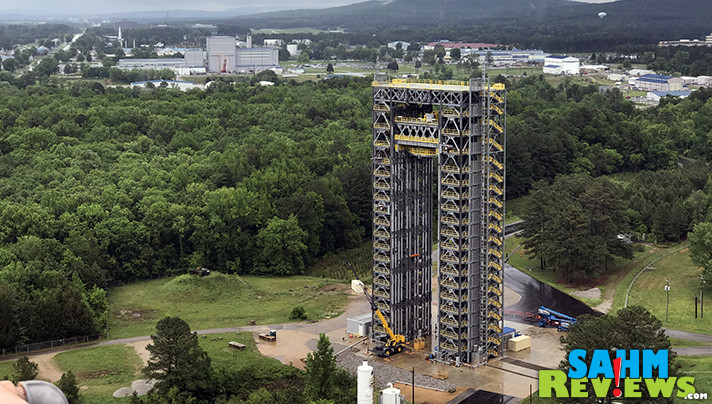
[(381, 107), (452, 310), (382, 222), (495, 202), (418, 151), (382, 282), (381, 197), (382, 293), (494, 314), (496, 126), (454, 182), (449, 321), (381, 257), (495, 253), (450, 112), (493, 352), (455, 151), (419, 121), (495, 144), (381, 125), (496, 240), (449, 334), (496, 177), (497, 86), (448, 346), (451, 271), (382, 246), (494, 340), (424, 81), (381, 233), (381, 185), (454, 208), (449, 258), (494, 303), (497, 109), (452, 194), (452, 132), (495, 162), (495, 214), (451, 220), (494, 226), (495, 264), (386, 162), (493, 327), (455, 169), (494, 290), (382, 173), (382, 270), (383, 307), (452, 284), (420, 139), (495, 277), (496, 189), (381, 143), (451, 296)]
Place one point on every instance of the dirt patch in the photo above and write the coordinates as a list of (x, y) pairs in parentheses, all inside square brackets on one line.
[(136, 315), (593, 293), (685, 251), (97, 374), (140, 348), (47, 369), (335, 287)]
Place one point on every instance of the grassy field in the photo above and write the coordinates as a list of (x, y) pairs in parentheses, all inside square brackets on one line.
[(611, 284), (6, 369), (332, 265), (681, 343), (219, 301), (301, 30), (684, 277), (102, 370)]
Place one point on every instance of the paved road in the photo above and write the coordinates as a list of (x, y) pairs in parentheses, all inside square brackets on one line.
[(690, 336), (694, 351)]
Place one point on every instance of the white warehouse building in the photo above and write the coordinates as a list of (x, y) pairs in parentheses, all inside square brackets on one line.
[(221, 54), (555, 64), (256, 59)]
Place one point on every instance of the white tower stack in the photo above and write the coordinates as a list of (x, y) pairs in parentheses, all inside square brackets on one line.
[(365, 384), (249, 40), (390, 395)]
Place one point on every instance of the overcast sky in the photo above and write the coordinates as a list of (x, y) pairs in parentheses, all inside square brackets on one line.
[(112, 6)]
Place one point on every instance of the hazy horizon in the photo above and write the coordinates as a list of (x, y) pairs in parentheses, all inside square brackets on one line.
[(85, 7)]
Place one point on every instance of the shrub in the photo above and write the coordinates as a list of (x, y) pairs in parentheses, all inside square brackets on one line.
[(298, 313)]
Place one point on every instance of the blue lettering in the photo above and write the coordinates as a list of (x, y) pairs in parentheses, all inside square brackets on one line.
[(600, 364), (577, 369), (655, 360), (632, 364)]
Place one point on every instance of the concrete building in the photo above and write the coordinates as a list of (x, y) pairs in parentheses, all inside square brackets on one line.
[(293, 50), (221, 54), (687, 42), (656, 96), (256, 59), (273, 42), (194, 57), (461, 45), (180, 85), (555, 64), (656, 82), (155, 64)]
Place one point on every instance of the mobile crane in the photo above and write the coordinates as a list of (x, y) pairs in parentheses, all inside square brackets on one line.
[(395, 342)]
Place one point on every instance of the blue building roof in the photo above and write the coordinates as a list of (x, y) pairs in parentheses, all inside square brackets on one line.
[(552, 66), (557, 57), (672, 93), (655, 77), (651, 80)]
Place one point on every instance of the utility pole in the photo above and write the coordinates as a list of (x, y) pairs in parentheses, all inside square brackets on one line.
[(667, 304)]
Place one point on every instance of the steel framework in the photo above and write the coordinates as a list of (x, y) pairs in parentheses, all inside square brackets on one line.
[(457, 128)]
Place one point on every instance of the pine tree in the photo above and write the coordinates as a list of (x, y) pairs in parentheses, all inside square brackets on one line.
[(177, 361), (68, 384), (320, 367), (24, 369)]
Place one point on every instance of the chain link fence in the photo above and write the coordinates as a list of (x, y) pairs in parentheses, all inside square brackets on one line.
[(47, 345)]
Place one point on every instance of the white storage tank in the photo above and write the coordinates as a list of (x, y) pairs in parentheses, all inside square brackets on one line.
[(391, 395), (365, 383)]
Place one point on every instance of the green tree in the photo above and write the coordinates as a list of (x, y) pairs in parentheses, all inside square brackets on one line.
[(392, 65), (455, 54), (630, 328), (701, 248), (24, 369), (330, 68), (178, 361), (283, 247), (68, 384), (320, 370)]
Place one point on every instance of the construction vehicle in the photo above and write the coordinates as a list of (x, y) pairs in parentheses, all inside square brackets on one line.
[(395, 343), (551, 318)]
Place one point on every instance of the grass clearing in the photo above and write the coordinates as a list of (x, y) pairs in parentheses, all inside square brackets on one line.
[(6, 369), (219, 300), (102, 369), (222, 356), (680, 343), (684, 277), (332, 265), (699, 367), (611, 284)]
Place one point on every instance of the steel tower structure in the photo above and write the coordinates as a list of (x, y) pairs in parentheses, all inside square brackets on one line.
[(458, 129)]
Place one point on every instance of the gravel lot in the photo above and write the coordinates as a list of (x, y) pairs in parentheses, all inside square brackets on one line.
[(385, 374)]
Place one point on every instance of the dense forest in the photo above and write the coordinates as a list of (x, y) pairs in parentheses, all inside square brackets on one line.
[(103, 185)]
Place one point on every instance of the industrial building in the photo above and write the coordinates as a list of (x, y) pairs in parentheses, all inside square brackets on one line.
[(458, 129), (656, 96), (273, 42), (554, 64), (687, 42), (194, 57), (157, 64), (180, 85), (256, 59), (221, 54), (656, 82)]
